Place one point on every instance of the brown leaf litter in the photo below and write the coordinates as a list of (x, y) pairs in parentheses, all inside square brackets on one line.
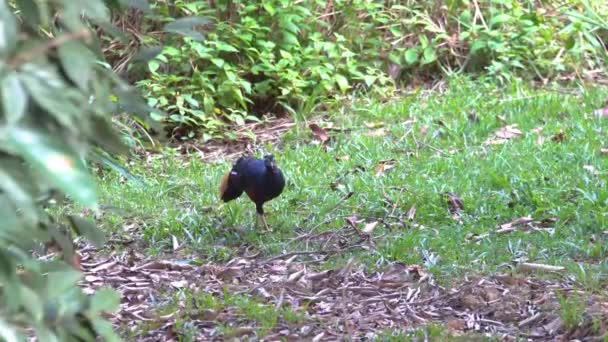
[(319, 133), (504, 134), (350, 301), (269, 131), (455, 205)]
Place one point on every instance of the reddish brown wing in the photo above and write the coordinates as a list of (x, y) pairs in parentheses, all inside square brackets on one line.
[(224, 185)]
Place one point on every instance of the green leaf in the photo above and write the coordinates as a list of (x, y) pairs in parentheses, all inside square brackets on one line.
[(15, 190), (88, 229), (149, 53), (466, 17), (77, 60), (92, 9), (141, 5), (570, 42), (29, 11), (290, 39), (104, 158), (64, 241), (153, 66), (185, 26), (105, 330), (59, 282), (428, 56), (221, 46), (478, 45), (49, 90), (268, 7), (369, 79), (14, 98), (105, 135), (63, 168), (8, 29), (424, 41), (105, 300), (411, 56), (499, 19), (218, 62), (32, 303), (342, 82)]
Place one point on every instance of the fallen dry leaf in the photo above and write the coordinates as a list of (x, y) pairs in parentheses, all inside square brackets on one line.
[(376, 133), (503, 135), (601, 113), (384, 166), (511, 226), (175, 242), (319, 133), (353, 221), (559, 137), (495, 141), (455, 205), (537, 129), (528, 267), (473, 117), (411, 213), (76, 261), (456, 324), (592, 170), (374, 124), (337, 186), (423, 130), (508, 132), (179, 283), (471, 302), (369, 227), (540, 140), (343, 158)]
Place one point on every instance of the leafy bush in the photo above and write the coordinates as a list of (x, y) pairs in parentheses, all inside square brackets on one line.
[(284, 56), (54, 105), (263, 57)]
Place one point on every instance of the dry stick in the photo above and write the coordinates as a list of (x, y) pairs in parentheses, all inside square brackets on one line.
[(320, 252), (530, 320), (287, 255), (528, 266), (40, 49)]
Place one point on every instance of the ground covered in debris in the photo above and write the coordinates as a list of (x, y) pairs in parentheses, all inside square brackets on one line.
[(289, 299)]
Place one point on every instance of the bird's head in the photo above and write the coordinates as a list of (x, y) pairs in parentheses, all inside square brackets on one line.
[(269, 162)]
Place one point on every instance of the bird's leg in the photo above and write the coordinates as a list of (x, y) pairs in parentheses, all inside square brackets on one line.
[(260, 217), (266, 227)]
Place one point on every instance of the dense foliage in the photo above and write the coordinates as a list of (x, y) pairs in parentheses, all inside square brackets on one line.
[(282, 56), (55, 104)]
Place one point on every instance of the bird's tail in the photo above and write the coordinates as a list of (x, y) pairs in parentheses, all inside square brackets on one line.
[(230, 187)]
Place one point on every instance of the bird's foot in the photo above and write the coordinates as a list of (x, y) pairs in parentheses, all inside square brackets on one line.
[(265, 227)]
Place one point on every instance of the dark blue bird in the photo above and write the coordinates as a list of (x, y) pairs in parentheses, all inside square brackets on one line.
[(261, 179)]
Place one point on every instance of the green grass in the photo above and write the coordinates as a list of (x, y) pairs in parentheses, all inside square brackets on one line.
[(497, 184)]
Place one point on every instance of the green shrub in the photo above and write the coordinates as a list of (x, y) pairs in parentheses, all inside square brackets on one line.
[(265, 57), (284, 56), (55, 104)]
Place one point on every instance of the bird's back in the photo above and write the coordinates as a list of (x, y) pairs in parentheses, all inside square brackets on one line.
[(252, 176)]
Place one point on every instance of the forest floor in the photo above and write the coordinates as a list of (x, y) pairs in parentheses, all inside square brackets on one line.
[(467, 212)]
